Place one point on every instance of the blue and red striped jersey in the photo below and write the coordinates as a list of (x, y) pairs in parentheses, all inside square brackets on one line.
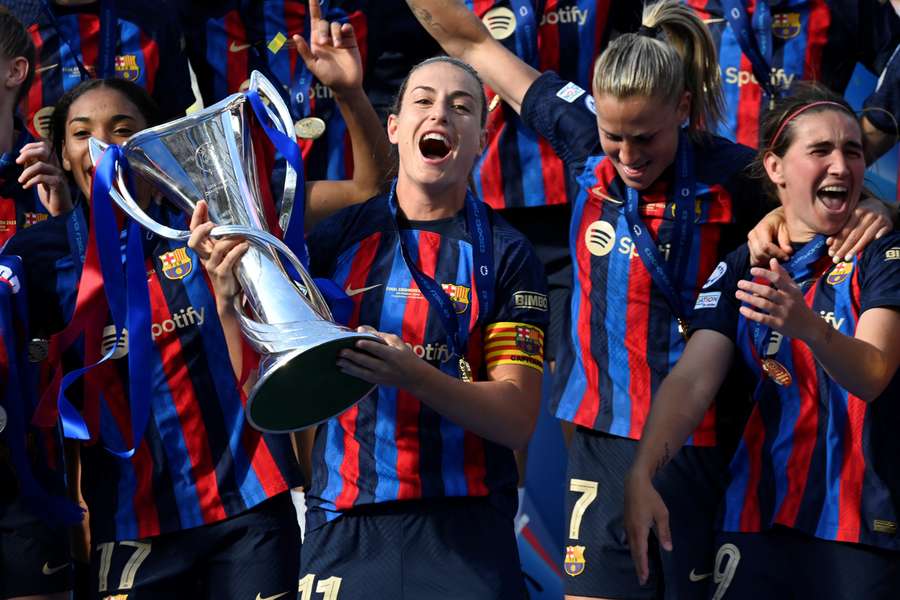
[(199, 461), (148, 51), (391, 446), (233, 39), (819, 40), (813, 456), (19, 208), (624, 337)]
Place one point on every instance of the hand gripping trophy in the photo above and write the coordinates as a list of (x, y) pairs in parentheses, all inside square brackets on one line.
[(208, 155)]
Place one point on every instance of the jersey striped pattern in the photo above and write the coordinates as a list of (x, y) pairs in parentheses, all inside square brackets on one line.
[(145, 41), (813, 456), (801, 30), (235, 42), (391, 446), (199, 461), (518, 167)]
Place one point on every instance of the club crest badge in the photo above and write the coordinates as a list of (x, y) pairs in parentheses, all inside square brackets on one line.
[(786, 25), (127, 67), (33, 218), (176, 264), (840, 273), (527, 340), (777, 372), (574, 563), (459, 295)]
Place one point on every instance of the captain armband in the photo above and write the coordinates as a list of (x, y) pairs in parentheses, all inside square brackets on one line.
[(510, 343)]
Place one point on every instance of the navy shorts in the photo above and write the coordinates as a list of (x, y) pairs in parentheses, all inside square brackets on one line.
[(255, 554), (34, 560), (448, 548), (785, 563), (598, 561)]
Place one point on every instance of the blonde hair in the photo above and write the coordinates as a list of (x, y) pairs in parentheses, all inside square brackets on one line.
[(674, 52)]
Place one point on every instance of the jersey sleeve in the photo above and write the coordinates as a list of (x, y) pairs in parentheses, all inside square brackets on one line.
[(515, 333), (716, 307), (880, 274), (878, 36), (564, 113)]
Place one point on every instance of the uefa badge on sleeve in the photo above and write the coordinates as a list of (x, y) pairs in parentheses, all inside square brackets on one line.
[(574, 563)]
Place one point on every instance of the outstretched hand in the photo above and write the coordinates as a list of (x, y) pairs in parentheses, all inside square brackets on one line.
[(332, 54), (218, 257)]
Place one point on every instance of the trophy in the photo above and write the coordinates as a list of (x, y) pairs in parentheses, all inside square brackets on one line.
[(208, 155)]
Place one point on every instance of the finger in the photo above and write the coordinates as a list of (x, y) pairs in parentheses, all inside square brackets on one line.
[(315, 11), (888, 227), (376, 348), (784, 241), (864, 240), (758, 301), (366, 329), (335, 34), (200, 215), (348, 36), (761, 318), (761, 253), (756, 289), (304, 50), (637, 542), (199, 241), (848, 238), (663, 532), (364, 360), (354, 370), (220, 249), (48, 179), (32, 152), (320, 27), (231, 259)]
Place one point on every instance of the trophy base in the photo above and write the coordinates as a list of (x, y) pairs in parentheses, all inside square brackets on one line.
[(304, 388)]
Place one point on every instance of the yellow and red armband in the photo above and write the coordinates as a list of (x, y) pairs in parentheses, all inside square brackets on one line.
[(514, 344)]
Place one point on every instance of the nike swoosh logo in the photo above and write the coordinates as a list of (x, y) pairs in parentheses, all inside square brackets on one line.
[(45, 68), (351, 292), (260, 596), (48, 570), (235, 47), (695, 577)]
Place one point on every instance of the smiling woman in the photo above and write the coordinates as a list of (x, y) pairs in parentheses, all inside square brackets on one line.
[(414, 489), (819, 342)]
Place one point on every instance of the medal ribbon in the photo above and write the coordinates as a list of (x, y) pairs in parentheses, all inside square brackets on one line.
[(480, 233), (17, 398), (755, 38), (669, 282), (106, 66)]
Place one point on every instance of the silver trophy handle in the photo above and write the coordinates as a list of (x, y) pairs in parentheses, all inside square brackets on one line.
[(281, 117)]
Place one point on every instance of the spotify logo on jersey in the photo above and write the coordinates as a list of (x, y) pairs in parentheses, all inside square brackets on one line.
[(500, 21), (600, 237)]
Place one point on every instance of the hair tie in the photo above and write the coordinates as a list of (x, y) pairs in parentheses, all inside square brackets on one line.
[(800, 111), (650, 31)]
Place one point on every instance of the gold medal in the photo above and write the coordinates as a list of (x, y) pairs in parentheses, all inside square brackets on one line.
[(465, 371), (682, 328), (495, 102), (310, 128), (777, 372)]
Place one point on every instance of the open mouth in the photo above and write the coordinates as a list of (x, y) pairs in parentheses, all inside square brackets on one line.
[(834, 197), (635, 171), (434, 146)]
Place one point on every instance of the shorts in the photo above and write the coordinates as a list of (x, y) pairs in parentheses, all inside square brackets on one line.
[(785, 563), (547, 228), (598, 560), (34, 560), (254, 554), (448, 548)]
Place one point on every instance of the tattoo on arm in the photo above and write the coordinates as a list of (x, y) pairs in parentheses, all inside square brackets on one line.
[(663, 460), (426, 19)]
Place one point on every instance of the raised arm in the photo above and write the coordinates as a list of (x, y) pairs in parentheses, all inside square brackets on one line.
[(678, 408), (333, 57), (462, 35)]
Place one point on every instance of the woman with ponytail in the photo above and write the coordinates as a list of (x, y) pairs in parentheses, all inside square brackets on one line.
[(662, 200)]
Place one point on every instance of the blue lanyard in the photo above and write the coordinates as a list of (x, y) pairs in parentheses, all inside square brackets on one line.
[(480, 234), (799, 268), (754, 38), (668, 281), (108, 30)]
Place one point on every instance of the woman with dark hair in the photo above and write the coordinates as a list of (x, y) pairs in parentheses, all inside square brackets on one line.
[(201, 504), (812, 506), (414, 489)]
